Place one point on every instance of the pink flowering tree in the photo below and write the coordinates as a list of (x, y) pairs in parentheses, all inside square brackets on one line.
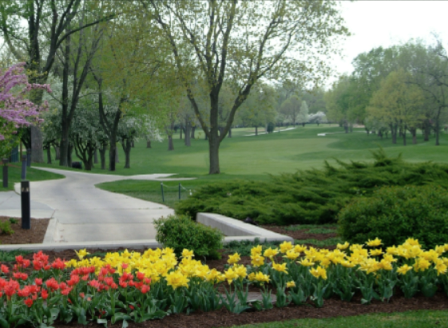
[(16, 110)]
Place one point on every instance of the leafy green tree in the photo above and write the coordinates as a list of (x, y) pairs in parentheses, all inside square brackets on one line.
[(259, 109), (290, 109), (398, 103), (241, 42), (303, 115)]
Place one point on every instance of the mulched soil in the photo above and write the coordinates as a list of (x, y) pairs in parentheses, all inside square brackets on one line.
[(35, 235), (332, 307), (301, 234)]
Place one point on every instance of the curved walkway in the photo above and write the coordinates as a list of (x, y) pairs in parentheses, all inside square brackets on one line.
[(81, 212)]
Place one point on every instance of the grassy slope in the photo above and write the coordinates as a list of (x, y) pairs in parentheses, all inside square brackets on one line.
[(253, 158)]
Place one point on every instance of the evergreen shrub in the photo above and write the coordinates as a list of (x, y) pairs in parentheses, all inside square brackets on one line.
[(313, 196), (394, 214), (180, 232)]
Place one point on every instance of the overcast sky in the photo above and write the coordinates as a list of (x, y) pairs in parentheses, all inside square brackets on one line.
[(385, 23)]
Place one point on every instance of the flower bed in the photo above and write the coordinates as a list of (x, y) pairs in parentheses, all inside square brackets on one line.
[(135, 287)]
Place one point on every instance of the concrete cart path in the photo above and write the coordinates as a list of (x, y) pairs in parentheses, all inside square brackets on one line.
[(84, 213)]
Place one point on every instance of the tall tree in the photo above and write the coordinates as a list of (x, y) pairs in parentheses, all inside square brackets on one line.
[(398, 103), (290, 109), (242, 42), (32, 43)]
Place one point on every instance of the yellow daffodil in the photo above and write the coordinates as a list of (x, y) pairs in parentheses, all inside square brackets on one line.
[(257, 260), (256, 250), (440, 266), (319, 272), (404, 269), (187, 253), (440, 249), (285, 246), (376, 252), (430, 255), (235, 258), (421, 264), (355, 247), (412, 242), (270, 253), (386, 265), (290, 284), (82, 253), (279, 267), (261, 277), (347, 264), (291, 255), (374, 243), (343, 246), (241, 271), (230, 275), (306, 262), (299, 248), (392, 250), (176, 279)]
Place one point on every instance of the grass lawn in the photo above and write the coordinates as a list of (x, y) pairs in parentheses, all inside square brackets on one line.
[(414, 319), (15, 171), (255, 157)]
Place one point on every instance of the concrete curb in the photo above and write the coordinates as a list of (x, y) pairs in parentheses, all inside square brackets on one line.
[(237, 230), (234, 229)]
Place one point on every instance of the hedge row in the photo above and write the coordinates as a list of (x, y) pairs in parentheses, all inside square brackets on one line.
[(313, 196)]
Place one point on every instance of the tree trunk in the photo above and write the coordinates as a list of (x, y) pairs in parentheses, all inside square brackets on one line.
[(148, 143), (170, 142), (426, 130), (256, 130), (127, 146), (437, 127), (117, 160), (393, 131), (230, 133), (103, 157), (180, 132), (95, 156), (193, 129), (213, 146), (57, 152), (49, 154), (187, 133), (404, 136), (36, 145), (69, 154)]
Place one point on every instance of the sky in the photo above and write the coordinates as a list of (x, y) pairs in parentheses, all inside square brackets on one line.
[(386, 23)]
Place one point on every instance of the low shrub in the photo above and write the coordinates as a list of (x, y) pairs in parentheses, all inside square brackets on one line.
[(5, 228), (180, 232), (394, 214), (310, 197)]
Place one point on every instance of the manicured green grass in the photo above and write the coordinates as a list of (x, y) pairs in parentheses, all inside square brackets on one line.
[(255, 157), (275, 153), (414, 319), (15, 171)]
